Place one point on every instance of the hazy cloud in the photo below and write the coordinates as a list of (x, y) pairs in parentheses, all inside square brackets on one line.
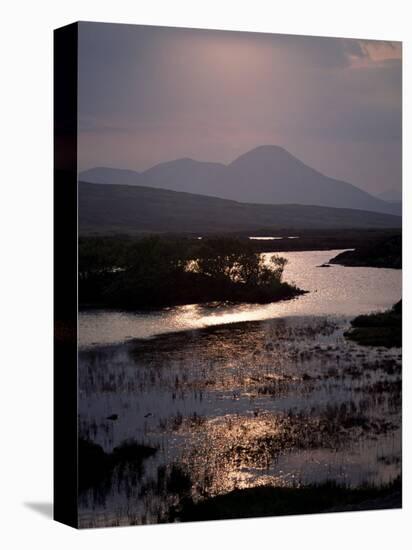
[(150, 94)]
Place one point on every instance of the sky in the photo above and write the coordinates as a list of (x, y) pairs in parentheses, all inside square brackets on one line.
[(154, 94)]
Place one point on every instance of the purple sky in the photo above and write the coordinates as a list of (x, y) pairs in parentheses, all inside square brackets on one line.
[(152, 94)]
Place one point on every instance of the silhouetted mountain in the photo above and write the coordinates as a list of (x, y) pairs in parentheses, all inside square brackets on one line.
[(265, 175), (105, 209), (111, 175)]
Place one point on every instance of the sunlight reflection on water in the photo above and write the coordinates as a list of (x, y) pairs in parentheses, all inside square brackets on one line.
[(334, 290)]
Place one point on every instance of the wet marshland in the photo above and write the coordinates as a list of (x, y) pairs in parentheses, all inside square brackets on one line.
[(193, 414)]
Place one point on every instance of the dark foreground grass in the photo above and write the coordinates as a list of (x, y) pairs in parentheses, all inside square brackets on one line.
[(96, 466), (378, 329), (284, 501)]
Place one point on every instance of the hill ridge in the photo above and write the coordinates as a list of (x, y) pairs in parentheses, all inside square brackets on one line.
[(267, 174), (105, 209)]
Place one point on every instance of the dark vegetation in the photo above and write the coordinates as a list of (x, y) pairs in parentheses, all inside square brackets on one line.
[(157, 272), (120, 209), (130, 271), (378, 329), (283, 501), (321, 239), (379, 252), (96, 466), (309, 239)]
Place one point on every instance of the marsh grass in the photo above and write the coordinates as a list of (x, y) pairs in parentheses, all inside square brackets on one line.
[(297, 397), (96, 466)]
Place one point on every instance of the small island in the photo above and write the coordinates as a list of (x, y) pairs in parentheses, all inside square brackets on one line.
[(381, 252), (154, 272), (378, 329)]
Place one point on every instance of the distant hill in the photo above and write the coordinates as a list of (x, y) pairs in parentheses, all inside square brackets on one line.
[(265, 175), (391, 195), (114, 209)]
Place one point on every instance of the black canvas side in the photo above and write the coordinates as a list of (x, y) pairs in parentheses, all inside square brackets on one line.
[(65, 274)]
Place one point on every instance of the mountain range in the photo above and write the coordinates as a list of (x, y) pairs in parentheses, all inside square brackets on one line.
[(128, 209), (266, 175)]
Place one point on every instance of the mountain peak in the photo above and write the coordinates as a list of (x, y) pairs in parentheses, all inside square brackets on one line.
[(266, 149), (265, 153), (184, 160), (273, 160)]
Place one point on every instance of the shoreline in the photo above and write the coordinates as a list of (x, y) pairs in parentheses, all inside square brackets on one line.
[(210, 329), (205, 303)]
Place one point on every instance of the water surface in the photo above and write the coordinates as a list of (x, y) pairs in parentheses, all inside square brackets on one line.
[(238, 396), (334, 290)]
